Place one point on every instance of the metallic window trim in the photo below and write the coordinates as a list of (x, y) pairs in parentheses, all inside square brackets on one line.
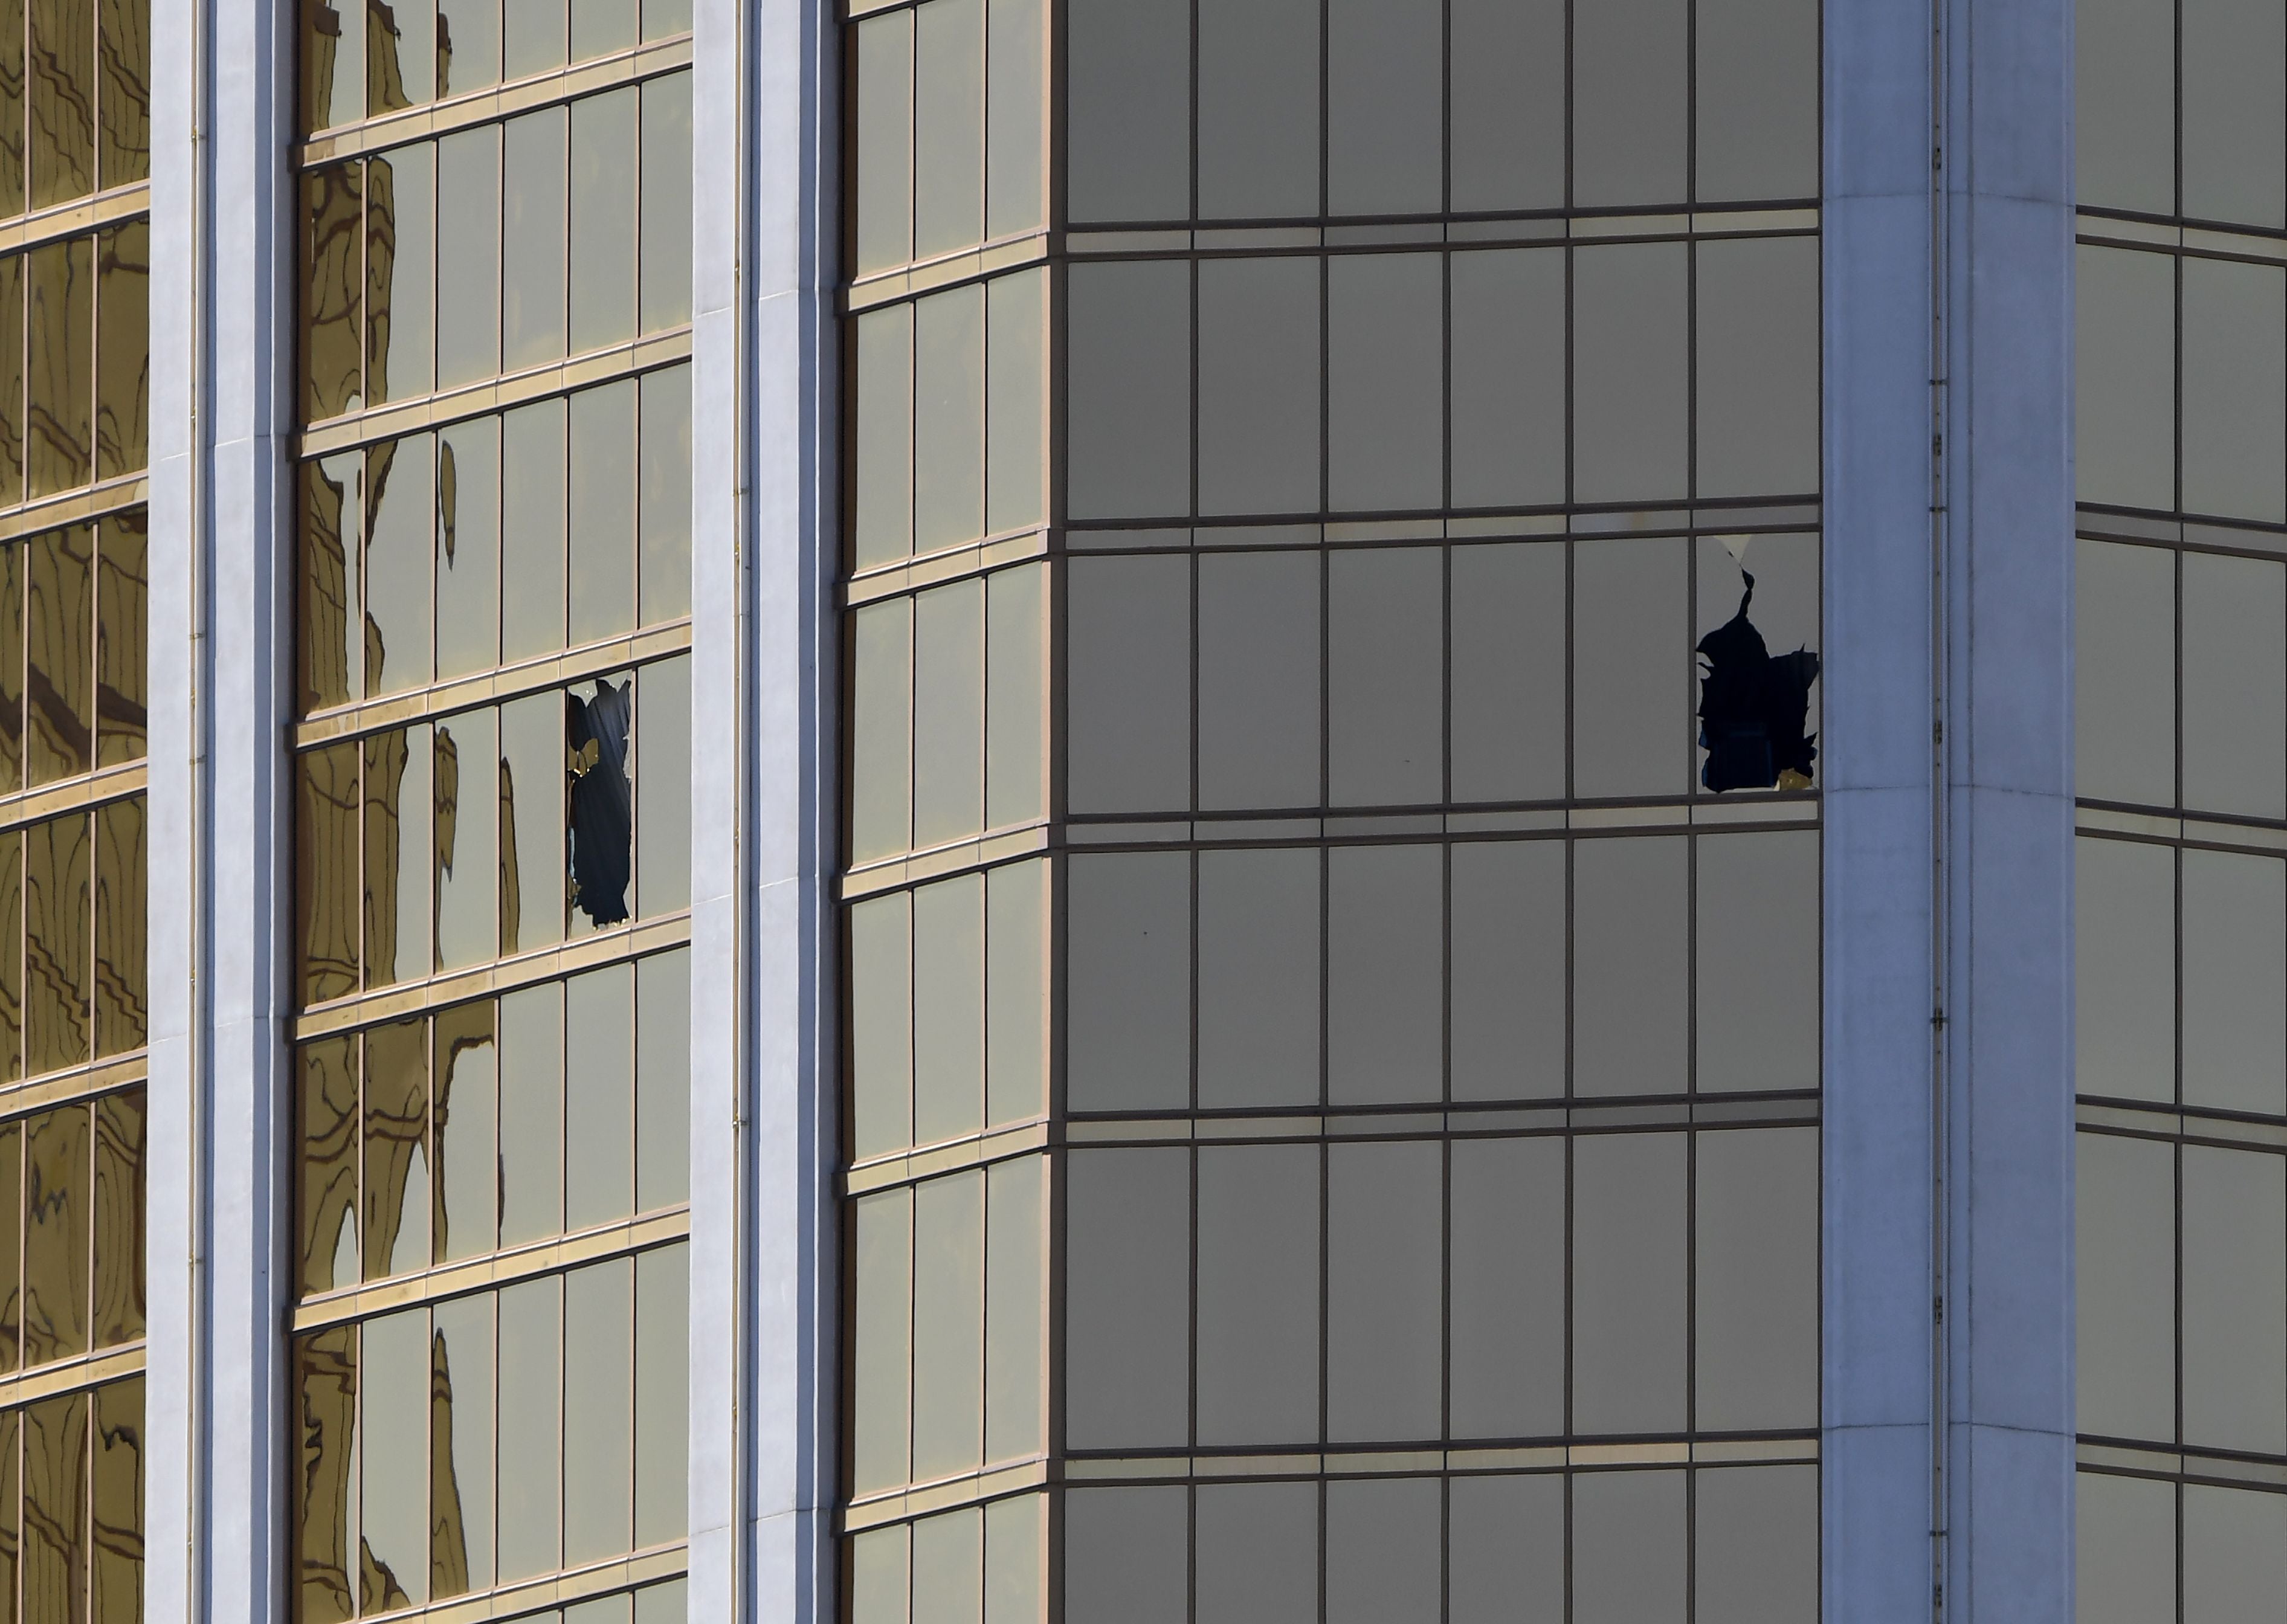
[(651, 1566), (2141, 1119), (403, 998), (649, 60), (1573, 1119), (880, 287), (2183, 1466), (113, 1074), (957, 564), (83, 1372), (554, 1255), (931, 1162), (78, 506), (971, 1488), (99, 787), (77, 217)]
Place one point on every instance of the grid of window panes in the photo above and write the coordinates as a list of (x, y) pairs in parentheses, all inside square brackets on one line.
[(1333, 1099), (491, 770), (2181, 934)]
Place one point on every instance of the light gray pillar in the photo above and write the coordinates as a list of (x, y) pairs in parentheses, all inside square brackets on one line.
[(762, 1360), (220, 871)]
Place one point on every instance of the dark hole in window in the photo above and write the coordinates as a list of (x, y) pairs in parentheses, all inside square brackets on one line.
[(596, 756), (1752, 706)]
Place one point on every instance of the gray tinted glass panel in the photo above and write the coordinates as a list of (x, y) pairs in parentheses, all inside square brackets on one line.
[(1382, 1561), (1129, 328), (1385, 90), (1258, 1016), (1258, 1295), (1259, 679), (1630, 102), (2234, 965), (2124, 1208), (2124, 116), (1129, 684), (1258, 71), (1130, 981), (1508, 970), (1129, 63), (1258, 391), (1385, 981), (1629, 1547), (1629, 1263), (1629, 966), (1256, 1545), (1127, 1299), (1631, 350), (1508, 416), (1385, 1248), (2124, 673), (1507, 125), (1385, 374), (2125, 368)]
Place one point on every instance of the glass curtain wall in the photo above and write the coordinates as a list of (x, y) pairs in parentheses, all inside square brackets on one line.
[(492, 770), (1333, 995), (2182, 752), (74, 400)]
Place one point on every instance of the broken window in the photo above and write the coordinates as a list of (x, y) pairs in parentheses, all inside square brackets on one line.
[(1753, 706), (596, 760)]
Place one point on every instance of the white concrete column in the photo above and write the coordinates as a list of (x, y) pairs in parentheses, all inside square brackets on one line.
[(219, 861), (763, 1357)]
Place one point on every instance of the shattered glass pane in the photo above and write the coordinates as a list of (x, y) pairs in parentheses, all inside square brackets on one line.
[(595, 758), (1756, 724)]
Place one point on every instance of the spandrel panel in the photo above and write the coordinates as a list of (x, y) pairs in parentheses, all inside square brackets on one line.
[(1630, 1548), (2234, 961), (58, 624), (1755, 1546), (392, 1539), (1258, 383), (2125, 368), (948, 126), (1016, 1295), (12, 268), (1630, 951), (121, 994), (1505, 1250), (662, 1080), (63, 101), (1126, 1299), (2125, 111), (1757, 989), (604, 192), (2125, 962), (468, 46), (948, 1324), (1257, 68), (1258, 1274), (1129, 981), (2233, 112), (460, 1470), (330, 646), (665, 227), (532, 1115), (1128, 684), (1016, 113), (1385, 975), (1504, 1548), (948, 418), (1758, 364), (1631, 352), (1385, 370), (531, 1428), (1383, 1559), (1127, 1554), (2124, 673), (333, 284), (400, 246), (59, 434), (56, 1551), (2125, 1549), (1128, 389), (400, 486), (1129, 63), (116, 1503), (399, 804), (1385, 101), (598, 1410), (1258, 975), (324, 1508), (1259, 679), (1508, 422), (123, 366), (534, 484), (2234, 1299), (468, 547), (1631, 96), (882, 740), (1631, 667), (398, 1191), (882, 1024), (466, 1077), (467, 790), (948, 713), (2231, 1563), (1755, 100), (328, 814), (2124, 1255), (326, 1185), (1755, 1280), (663, 496), (881, 1362), (601, 572), (1508, 677), (57, 1173), (884, 141), (469, 256), (1385, 1313), (1630, 1276), (1386, 676), (662, 1419), (2235, 390), (531, 876), (533, 236), (1506, 1009), (2233, 627), (599, 1096), (949, 1010), (1257, 1548), (122, 586), (57, 950)]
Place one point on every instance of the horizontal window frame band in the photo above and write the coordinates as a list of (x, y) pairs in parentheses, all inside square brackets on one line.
[(1008, 1142), (2179, 1124), (2110, 821), (621, 944), (2247, 538), (82, 504), (117, 1074), (558, 1255), (82, 792), (1371, 234), (2202, 239), (395, 419), (497, 687), (1766, 515), (1789, 810), (903, 1504), (652, 59), (962, 563), (77, 219), (654, 1565), (81, 1372), (1036, 245), (2174, 1465)]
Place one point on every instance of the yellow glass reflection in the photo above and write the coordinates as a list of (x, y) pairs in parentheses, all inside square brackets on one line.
[(333, 276), (12, 955), (122, 369), (12, 572), (11, 1236), (11, 373), (56, 1166), (63, 101), (123, 102), (466, 1214), (56, 957), (327, 872), (58, 432), (119, 1218), (122, 1000), (331, 550), (326, 1191), (55, 1508), (325, 1409), (396, 1149), (59, 626), (118, 1504), (397, 855), (122, 585)]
